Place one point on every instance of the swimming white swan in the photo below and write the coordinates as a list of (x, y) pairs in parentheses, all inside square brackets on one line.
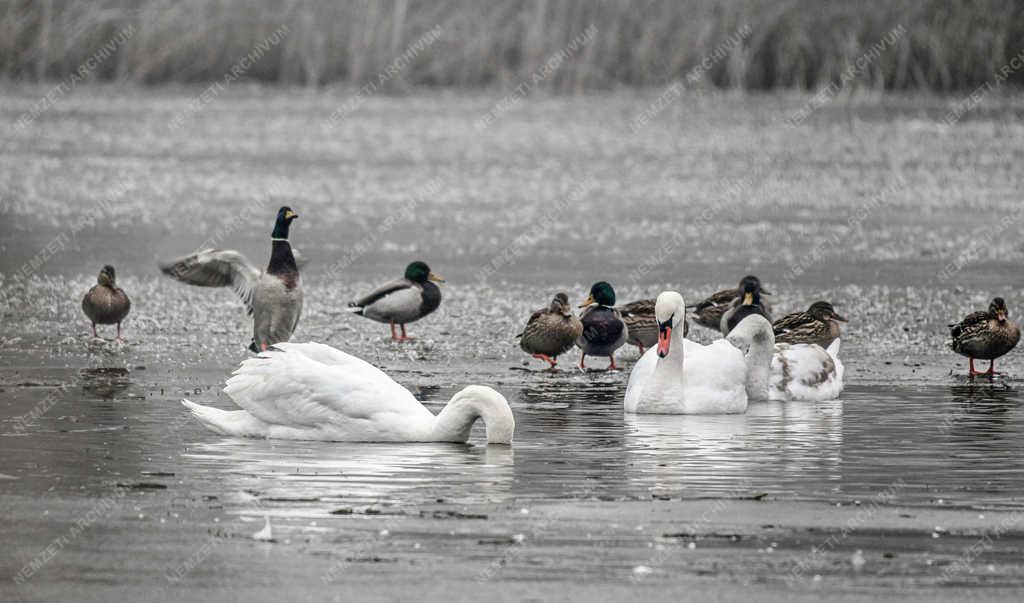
[(803, 371), (311, 391), (680, 376)]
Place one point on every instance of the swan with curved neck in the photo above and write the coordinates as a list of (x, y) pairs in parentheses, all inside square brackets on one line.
[(804, 371), (680, 376), (311, 391)]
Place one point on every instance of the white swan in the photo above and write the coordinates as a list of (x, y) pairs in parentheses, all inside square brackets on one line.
[(803, 371), (311, 391), (680, 376)]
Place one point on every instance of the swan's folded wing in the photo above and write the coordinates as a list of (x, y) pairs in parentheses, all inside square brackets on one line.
[(641, 375), (216, 268), (806, 372), (313, 385)]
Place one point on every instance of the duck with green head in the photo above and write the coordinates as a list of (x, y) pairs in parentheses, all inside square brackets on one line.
[(747, 303), (551, 331), (106, 303), (403, 301), (273, 296), (604, 331)]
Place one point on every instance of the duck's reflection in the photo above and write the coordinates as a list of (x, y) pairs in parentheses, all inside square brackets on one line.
[(104, 383)]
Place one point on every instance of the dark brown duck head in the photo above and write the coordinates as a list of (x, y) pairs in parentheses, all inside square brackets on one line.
[(751, 290), (560, 304), (823, 311), (107, 277), (998, 309)]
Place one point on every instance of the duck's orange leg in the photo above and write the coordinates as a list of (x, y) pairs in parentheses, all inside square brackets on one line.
[(553, 362)]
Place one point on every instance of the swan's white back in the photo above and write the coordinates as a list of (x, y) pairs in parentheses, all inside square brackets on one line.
[(311, 391), (806, 372)]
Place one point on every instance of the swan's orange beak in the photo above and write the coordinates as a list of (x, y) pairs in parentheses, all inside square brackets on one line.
[(664, 338)]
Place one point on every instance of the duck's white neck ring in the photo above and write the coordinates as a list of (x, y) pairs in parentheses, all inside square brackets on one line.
[(278, 239)]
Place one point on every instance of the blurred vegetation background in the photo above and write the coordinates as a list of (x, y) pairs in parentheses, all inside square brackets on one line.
[(948, 45)]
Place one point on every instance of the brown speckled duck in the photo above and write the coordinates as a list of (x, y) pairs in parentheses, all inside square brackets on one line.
[(106, 303), (551, 331), (985, 335), (642, 325), (819, 324)]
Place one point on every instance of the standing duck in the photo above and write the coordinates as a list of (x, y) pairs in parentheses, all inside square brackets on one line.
[(273, 297), (708, 313), (642, 324), (551, 331), (747, 304), (106, 303), (603, 328), (986, 335), (819, 324), (405, 300)]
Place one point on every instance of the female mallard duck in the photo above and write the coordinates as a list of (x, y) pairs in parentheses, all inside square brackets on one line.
[(273, 297), (603, 328), (748, 303), (106, 303), (819, 324), (711, 379), (803, 371), (551, 331), (642, 325), (310, 391), (709, 312), (405, 300), (986, 335)]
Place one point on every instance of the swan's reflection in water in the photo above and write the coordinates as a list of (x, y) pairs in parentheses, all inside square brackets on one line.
[(357, 473), (773, 447)]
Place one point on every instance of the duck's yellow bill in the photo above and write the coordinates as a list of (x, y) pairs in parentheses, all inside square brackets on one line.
[(288, 215), (588, 301), (435, 277), (748, 298)]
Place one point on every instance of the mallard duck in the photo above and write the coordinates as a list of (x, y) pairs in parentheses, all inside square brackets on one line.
[(311, 391), (803, 371), (405, 300), (273, 297), (746, 304), (603, 328), (985, 335), (709, 312), (106, 303), (642, 326), (551, 331), (712, 380), (819, 324)]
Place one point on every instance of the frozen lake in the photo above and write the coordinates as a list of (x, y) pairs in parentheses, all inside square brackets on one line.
[(585, 496)]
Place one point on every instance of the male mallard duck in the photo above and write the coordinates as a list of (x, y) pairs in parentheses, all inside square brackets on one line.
[(603, 328), (819, 324), (986, 335), (273, 297), (746, 304), (642, 325), (106, 303), (708, 313), (405, 300), (551, 331), (310, 391)]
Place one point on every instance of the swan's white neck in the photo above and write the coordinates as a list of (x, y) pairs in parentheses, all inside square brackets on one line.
[(456, 419), (664, 394)]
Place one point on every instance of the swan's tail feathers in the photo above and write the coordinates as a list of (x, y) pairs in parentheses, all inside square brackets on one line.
[(833, 348), (227, 422)]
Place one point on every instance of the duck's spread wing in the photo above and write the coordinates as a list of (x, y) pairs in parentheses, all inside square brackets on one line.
[(216, 268), (382, 292), (314, 385)]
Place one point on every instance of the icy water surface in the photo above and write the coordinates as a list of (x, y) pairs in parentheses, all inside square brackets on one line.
[(437, 516)]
